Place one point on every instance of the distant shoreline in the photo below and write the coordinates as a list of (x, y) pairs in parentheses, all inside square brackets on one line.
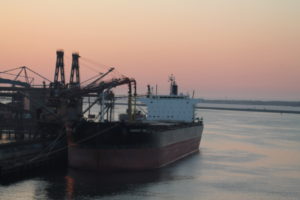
[(252, 102), (250, 110), (236, 109)]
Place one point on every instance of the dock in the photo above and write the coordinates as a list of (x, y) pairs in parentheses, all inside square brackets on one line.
[(31, 136), (18, 158)]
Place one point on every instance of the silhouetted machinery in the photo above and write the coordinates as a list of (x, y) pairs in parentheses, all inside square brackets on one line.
[(21, 102), (41, 111), (75, 77), (59, 69), (66, 99)]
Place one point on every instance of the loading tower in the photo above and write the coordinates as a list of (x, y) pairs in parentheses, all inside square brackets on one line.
[(59, 69), (75, 81)]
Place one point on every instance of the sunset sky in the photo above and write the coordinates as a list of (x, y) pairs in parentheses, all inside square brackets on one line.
[(245, 49)]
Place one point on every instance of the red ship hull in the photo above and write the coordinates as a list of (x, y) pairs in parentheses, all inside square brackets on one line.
[(131, 159), (142, 158)]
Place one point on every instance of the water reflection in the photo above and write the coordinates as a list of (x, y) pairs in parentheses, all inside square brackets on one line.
[(69, 187), (242, 156), (102, 184), (78, 184)]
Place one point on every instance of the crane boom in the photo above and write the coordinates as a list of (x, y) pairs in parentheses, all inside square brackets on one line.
[(102, 76)]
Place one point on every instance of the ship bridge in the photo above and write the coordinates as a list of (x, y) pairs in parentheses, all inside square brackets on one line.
[(170, 108)]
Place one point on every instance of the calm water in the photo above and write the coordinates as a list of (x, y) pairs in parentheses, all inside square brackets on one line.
[(243, 155)]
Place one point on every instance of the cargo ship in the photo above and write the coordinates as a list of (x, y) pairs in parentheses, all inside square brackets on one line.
[(62, 112), (169, 131)]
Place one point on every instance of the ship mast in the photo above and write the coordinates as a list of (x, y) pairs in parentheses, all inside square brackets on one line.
[(173, 86)]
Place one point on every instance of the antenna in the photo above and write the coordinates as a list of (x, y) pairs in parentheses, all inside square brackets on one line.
[(172, 78), (173, 86)]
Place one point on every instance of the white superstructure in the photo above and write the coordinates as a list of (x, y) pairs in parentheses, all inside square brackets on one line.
[(171, 107)]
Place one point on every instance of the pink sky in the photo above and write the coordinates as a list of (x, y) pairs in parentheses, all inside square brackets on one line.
[(221, 48)]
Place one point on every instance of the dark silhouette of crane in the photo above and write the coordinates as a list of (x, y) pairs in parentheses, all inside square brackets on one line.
[(75, 81), (59, 69), (66, 99)]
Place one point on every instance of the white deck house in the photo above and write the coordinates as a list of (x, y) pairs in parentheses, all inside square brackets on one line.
[(173, 107), (170, 108)]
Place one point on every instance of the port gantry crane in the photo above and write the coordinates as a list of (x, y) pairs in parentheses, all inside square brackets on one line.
[(59, 69), (67, 98), (75, 81), (51, 104)]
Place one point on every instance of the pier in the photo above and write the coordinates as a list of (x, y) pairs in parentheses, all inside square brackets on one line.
[(31, 136), (17, 158)]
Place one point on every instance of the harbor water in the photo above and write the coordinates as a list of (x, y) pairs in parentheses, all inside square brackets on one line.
[(243, 155)]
